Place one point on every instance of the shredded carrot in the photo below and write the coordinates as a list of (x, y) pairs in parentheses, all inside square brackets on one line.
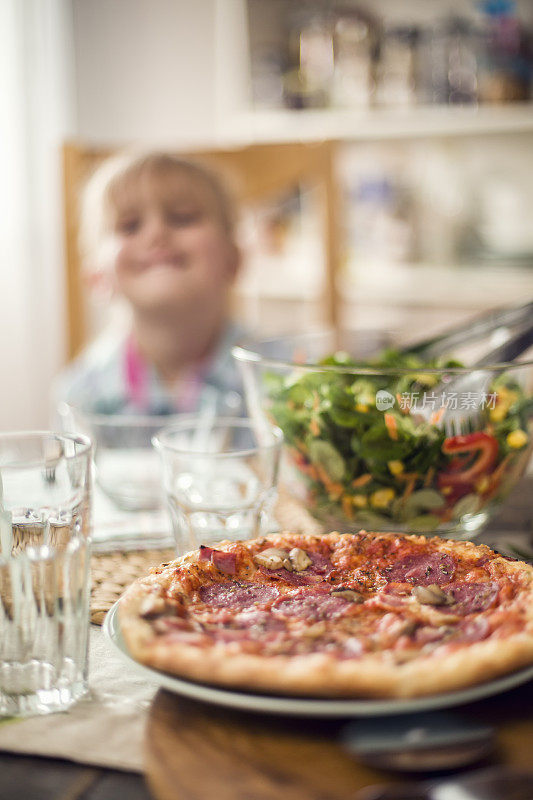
[(501, 467), (314, 427), (436, 417), (405, 409), (392, 426), (310, 470), (496, 476), (362, 480), (411, 479), (333, 488), (409, 489), (347, 506), (429, 477), (335, 491), (407, 476)]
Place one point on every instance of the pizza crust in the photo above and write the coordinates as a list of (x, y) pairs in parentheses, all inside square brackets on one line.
[(320, 674)]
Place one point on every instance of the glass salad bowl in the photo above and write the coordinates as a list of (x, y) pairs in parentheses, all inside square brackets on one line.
[(372, 435)]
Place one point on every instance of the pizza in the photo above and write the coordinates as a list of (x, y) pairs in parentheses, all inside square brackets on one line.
[(335, 615)]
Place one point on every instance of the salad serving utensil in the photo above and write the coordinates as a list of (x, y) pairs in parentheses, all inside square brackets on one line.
[(475, 383), (471, 330)]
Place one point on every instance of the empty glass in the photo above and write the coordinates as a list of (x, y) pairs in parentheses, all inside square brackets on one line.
[(127, 469), (220, 478), (126, 466), (44, 571)]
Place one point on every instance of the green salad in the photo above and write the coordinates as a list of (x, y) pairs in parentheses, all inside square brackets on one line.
[(369, 457)]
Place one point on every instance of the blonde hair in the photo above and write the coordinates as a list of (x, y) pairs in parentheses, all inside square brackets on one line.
[(98, 199)]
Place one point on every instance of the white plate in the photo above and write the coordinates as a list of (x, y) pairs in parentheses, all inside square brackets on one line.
[(303, 706)]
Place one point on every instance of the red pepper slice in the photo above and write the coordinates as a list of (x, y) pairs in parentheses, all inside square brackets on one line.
[(484, 449)]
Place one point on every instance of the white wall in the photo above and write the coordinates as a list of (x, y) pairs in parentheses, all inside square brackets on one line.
[(145, 70)]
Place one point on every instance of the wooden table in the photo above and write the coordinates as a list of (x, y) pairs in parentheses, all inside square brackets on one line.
[(32, 778), (197, 751), (301, 759)]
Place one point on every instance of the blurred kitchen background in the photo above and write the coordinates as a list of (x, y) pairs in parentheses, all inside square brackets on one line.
[(426, 104)]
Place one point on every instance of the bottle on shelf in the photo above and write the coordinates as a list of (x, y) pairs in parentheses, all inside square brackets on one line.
[(355, 37), (448, 63), (396, 66), (307, 82)]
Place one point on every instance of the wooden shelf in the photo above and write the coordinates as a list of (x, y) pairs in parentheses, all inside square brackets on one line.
[(426, 285)]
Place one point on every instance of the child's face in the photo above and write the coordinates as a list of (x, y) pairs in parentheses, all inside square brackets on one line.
[(171, 249)]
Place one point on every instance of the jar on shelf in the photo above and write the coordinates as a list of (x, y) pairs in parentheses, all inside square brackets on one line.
[(307, 82), (395, 72), (448, 63), (463, 56), (355, 37)]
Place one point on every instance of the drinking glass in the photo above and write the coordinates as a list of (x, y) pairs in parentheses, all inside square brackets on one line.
[(44, 571), (127, 469), (220, 480)]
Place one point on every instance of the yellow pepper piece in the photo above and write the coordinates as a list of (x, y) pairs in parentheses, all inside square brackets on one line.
[(504, 400), (482, 485), (361, 407), (517, 439), (382, 498), (359, 501), (507, 395), (498, 413), (395, 467)]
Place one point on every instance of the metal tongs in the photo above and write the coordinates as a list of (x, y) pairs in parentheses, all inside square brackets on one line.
[(474, 382), (474, 330)]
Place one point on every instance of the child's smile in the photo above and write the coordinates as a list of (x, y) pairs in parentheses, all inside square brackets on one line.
[(172, 252)]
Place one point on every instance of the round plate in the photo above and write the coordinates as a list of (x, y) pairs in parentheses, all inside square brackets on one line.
[(304, 706)]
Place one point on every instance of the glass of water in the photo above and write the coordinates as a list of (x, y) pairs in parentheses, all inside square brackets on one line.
[(220, 478), (44, 571)]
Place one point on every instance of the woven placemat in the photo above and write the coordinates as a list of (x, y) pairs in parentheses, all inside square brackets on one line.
[(113, 572)]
